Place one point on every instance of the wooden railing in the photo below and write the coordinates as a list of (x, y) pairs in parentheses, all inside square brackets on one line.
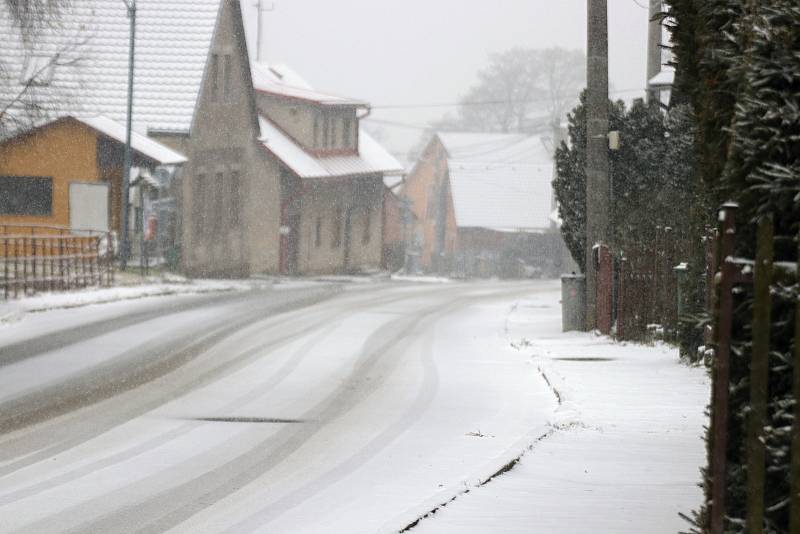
[(36, 258)]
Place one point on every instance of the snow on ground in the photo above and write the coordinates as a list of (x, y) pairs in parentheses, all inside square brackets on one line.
[(624, 448), (387, 402), (84, 297), (12, 311), (401, 397), (420, 279)]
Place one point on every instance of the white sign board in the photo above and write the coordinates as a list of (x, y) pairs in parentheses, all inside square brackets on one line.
[(88, 206)]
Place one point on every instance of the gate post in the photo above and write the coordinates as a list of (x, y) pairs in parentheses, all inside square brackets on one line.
[(605, 282)]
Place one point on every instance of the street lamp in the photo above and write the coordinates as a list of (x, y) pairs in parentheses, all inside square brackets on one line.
[(126, 173)]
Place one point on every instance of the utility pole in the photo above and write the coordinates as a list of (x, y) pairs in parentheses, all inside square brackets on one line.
[(598, 202), (261, 7), (654, 38), (128, 158)]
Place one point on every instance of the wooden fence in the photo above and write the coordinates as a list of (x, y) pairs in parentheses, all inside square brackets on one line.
[(48, 258), (758, 274)]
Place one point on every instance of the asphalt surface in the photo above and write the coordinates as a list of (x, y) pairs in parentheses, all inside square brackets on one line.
[(255, 412)]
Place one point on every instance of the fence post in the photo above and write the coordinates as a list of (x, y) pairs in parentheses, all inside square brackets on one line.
[(794, 499), (759, 377), (5, 268), (61, 270), (621, 298), (721, 381)]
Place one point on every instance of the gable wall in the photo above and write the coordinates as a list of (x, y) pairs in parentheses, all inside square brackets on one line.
[(423, 187), (223, 142)]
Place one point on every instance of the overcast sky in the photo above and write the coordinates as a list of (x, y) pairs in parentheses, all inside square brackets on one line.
[(429, 51)]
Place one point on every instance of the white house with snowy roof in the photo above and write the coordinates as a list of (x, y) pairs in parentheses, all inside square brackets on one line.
[(485, 205), (331, 173)]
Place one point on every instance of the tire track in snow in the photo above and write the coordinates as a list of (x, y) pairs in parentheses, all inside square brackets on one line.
[(203, 491), (371, 449), (113, 406), (353, 307), (60, 434), (292, 362)]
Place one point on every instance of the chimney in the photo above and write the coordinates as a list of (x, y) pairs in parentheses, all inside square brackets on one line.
[(654, 43)]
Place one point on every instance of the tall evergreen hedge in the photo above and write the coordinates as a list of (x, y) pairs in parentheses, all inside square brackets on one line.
[(738, 65)]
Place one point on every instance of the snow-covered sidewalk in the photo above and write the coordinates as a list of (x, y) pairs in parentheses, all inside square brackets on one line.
[(624, 448)]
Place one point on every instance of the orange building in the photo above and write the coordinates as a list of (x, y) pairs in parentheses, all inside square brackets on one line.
[(68, 173), (484, 206)]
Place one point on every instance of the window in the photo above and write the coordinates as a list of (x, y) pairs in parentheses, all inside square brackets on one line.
[(198, 204), (217, 208), (26, 195), (316, 132), (38, 69), (325, 126), (333, 134), (213, 72), (318, 233), (227, 77), (367, 228), (336, 229), (234, 199)]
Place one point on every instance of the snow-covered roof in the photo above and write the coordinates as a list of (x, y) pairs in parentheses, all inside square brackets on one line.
[(280, 80), (371, 158), (393, 181), (502, 196), (139, 143), (495, 147), (665, 78), (172, 44)]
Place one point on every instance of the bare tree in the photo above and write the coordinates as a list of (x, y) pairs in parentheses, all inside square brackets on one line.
[(25, 93), (521, 90), (32, 15)]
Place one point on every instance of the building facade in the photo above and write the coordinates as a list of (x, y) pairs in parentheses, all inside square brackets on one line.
[(484, 206), (67, 173), (331, 175)]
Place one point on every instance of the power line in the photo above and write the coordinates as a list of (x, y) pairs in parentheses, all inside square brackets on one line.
[(399, 124), (483, 102)]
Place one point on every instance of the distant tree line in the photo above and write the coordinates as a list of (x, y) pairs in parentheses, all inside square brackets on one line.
[(24, 100), (521, 90)]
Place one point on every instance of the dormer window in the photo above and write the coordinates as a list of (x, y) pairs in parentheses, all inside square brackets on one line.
[(37, 70)]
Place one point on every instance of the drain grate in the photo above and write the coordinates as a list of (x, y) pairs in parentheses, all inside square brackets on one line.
[(584, 359), (257, 420)]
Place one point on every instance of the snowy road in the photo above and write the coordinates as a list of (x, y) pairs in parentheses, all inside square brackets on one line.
[(357, 413)]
